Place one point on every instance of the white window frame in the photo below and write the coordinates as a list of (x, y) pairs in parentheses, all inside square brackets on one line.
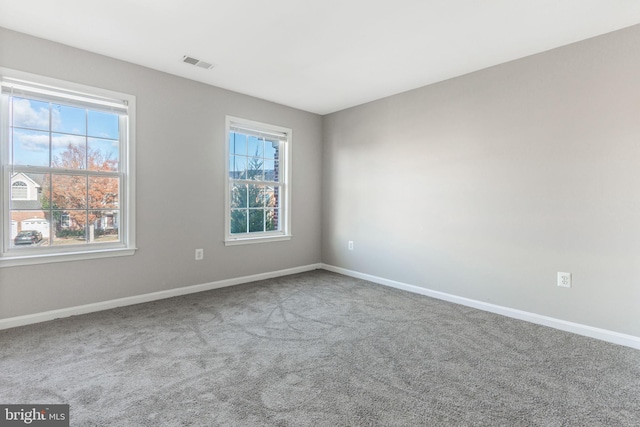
[(65, 220), (57, 90), (284, 216)]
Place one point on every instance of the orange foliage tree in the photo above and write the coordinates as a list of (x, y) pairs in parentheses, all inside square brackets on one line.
[(82, 197)]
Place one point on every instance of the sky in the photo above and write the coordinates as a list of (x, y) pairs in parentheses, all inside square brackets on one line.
[(40, 127), (244, 148)]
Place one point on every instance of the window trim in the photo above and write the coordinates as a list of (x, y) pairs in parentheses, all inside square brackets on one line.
[(285, 174), (73, 91)]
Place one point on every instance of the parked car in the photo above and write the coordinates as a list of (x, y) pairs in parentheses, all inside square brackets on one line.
[(28, 237)]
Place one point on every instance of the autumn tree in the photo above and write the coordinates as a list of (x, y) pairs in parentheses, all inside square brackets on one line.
[(81, 196)]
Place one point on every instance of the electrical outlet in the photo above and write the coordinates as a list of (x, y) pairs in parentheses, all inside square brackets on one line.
[(350, 245), (199, 254), (564, 280)]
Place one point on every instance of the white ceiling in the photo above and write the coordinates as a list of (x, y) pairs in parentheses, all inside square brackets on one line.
[(319, 56)]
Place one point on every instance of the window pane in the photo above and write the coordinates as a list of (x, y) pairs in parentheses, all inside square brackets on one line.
[(28, 222), (256, 220), (69, 192), (238, 221), (103, 154), (102, 125), (271, 220), (68, 151), (237, 144), (104, 226), (67, 119), (69, 227), (103, 192), (26, 191), (239, 196), (271, 149), (31, 114), (256, 196), (45, 192), (255, 169), (30, 147), (256, 146), (270, 174), (270, 197), (238, 167)]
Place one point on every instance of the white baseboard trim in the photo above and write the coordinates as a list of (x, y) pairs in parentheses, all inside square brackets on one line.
[(576, 328), (588, 331), (29, 319)]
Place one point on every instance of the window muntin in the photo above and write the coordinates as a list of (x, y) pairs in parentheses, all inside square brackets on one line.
[(76, 148), (257, 172)]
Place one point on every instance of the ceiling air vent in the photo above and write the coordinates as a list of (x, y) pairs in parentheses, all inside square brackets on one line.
[(197, 62)]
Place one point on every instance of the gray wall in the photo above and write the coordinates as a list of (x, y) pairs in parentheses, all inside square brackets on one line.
[(486, 185), (483, 186), (180, 186)]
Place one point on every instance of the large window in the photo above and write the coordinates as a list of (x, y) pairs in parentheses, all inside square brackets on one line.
[(257, 200), (66, 171)]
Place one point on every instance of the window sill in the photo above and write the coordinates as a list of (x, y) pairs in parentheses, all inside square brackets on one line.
[(16, 261), (252, 240)]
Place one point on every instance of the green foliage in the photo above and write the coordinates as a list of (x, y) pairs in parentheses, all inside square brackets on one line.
[(47, 207), (67, 232)]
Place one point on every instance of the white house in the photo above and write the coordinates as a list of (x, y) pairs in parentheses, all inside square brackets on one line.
[(24, 187), (26, 207)]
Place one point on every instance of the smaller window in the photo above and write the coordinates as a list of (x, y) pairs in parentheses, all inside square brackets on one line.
[(19, 191), (257, 170), (65, 220)]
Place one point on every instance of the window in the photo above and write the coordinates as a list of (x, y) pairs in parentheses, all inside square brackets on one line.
[(73, 146), (65, 220), (19, 191), (257, 169)]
